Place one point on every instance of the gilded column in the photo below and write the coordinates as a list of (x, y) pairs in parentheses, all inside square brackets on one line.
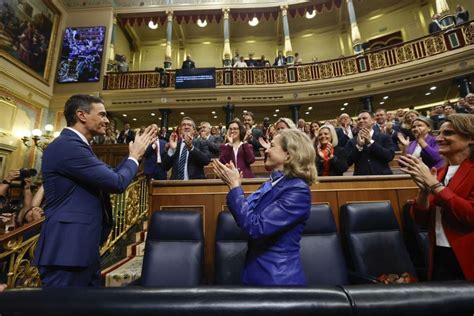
[(286, 31), (355, 34), (112, 41), (169, 37), (227, 52)]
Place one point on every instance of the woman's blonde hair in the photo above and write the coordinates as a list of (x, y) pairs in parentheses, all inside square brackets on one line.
[(332, 131), (287, 121), (302, 157)]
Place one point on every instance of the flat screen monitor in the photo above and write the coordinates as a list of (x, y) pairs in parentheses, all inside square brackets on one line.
[(195, 78), (81, 54)]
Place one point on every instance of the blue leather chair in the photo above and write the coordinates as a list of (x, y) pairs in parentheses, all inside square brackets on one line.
[(231, 248), (174, 250), (373, 241), (321, 252)]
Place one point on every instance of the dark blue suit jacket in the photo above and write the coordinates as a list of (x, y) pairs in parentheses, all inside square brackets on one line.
[(274, 224), (151, 168), (373, 159), (78, 212), (197, 159)]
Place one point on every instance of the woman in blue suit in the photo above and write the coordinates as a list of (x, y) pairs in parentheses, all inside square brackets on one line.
[(274, 216)]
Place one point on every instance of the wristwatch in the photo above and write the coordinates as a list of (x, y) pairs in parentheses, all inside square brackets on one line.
[(5, 181)]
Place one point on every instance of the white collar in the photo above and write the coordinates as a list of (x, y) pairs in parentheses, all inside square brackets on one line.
[(84, 139)]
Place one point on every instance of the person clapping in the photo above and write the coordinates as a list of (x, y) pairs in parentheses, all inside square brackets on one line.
[(274, 216), (236, 151), (445, 201)]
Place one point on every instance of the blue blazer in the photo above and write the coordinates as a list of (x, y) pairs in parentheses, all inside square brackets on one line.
[(151, 168), (373, 159), (274, 222), (78, 211)]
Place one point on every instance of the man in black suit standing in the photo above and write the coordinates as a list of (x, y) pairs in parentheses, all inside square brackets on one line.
[(187, 156), (253, 133), (370, 151), (280, 60), (127, 135), (188, 63)]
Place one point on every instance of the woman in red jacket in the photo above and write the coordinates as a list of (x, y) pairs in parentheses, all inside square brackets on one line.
[(446, 200), (236, 150)]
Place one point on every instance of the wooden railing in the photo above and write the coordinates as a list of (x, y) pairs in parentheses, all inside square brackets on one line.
[(398, 54), (19, 245)]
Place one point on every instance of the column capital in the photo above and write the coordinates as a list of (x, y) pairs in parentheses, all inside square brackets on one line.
[(226, 12), (169, 15), (284, 9)]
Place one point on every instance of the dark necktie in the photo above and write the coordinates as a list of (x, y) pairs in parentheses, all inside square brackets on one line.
[(182, 162)]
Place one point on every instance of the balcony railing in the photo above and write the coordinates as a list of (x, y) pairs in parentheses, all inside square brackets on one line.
[(407, 52), (19, 245)]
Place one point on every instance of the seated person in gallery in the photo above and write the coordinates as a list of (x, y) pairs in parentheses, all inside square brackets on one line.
[(274, 216)]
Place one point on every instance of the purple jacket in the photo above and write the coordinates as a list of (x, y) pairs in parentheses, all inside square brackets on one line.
[(274, 218), (245, 157), (430, 155)]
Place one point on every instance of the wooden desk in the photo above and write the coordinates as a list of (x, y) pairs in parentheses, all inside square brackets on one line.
[(209, 198)]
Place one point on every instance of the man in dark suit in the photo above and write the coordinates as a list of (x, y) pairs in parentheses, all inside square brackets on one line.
[(280, 60), (434, 26), (370, 152), (187, 156), (188, 63), (214, 141), (253, 133), (381, 126), (77, 186), (127, 135), (153, 161)]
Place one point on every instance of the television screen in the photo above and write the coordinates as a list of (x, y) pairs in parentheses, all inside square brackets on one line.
[(195, 78), (81, 54)]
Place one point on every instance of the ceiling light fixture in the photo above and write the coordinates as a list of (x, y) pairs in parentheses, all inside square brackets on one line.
[(427, 93), (134, 119), (254, 21), (346, 104), (385, 97), (433, 88), (152, 114), (152, 25), (182, 113), (310, 108), (307, 113), (275, 114), (310, 15), (382, 103), (201, 23), (124, 115), (213, 112), (277, 110), (342, 109)]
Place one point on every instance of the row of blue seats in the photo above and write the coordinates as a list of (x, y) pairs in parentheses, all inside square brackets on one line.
[(372, 244)]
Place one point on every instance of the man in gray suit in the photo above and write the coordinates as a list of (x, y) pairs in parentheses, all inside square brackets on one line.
[(214, 141)]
